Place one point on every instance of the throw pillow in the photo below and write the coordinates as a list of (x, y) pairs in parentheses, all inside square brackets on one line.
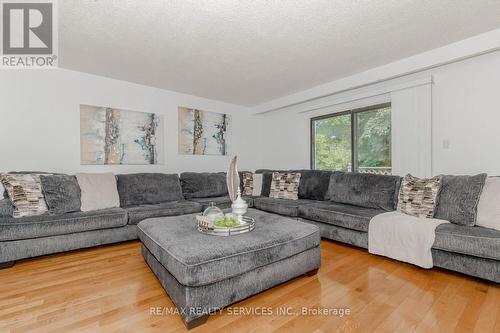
[(459, 197), (6, 208), (98, 191), (25, 193), (252, 184), (62, 193), (488, 209), (418, 197), (285, 185)]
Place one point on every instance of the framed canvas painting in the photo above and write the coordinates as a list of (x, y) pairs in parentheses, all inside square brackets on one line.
[(203, 132), (116, 136)]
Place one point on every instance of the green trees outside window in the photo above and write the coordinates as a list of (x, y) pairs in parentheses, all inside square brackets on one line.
[(357, 140)]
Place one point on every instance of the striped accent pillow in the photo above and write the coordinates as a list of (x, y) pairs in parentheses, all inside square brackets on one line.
[(25, 193), (418, 196)]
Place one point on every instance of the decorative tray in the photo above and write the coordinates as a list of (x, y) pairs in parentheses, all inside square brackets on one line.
[(207, 227)]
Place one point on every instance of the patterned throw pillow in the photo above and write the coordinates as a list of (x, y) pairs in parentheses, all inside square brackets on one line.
[(285, 185), (252, 184), (247, 184), (25, 193), (418, 197)]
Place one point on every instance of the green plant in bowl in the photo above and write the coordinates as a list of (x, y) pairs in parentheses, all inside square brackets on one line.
[(226, 222)]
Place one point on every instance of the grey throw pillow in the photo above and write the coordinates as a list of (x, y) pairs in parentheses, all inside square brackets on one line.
[(6, 208), (61, 193), (459, 198), (418, 196)]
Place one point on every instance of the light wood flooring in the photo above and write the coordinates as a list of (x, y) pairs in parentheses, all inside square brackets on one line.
[(111, 289)]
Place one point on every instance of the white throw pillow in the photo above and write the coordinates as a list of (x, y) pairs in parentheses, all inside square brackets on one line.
[(257, 184), (488, 209), (99, 191)]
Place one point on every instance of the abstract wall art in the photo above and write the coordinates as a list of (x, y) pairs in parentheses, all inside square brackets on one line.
[(203, 132), (116, 136)]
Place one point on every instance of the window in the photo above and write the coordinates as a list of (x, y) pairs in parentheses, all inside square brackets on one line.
[(355, 140)]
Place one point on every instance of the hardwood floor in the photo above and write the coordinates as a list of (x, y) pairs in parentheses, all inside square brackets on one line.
[(111, 289)]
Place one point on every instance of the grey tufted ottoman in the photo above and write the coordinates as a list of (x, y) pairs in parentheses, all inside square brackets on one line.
[(203, 273)]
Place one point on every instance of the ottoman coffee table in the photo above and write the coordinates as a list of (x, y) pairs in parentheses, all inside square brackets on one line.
[(204, 273)]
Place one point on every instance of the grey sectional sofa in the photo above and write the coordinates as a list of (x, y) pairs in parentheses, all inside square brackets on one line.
[(340, 204), (343, 214)]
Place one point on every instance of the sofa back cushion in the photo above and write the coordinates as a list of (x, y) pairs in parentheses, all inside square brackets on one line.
[(459, 198), (203, 184), (314, 184), (365, 190), (148, 188)]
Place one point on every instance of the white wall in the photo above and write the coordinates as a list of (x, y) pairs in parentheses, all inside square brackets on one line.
[(465, 114), (39, 122)]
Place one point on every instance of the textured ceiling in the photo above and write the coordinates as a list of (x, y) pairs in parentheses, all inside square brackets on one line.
[(251, 51)]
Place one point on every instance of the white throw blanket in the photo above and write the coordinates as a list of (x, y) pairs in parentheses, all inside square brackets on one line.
[(403, 237)]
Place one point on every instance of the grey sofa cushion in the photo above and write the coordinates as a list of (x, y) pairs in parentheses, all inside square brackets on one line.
[(6, 208), (50, 225), (280, 206), (459, 198), (62, 193), (173, 208), (314, 184), (364, 190), (342, 215), (33, 247), (473, 241), (480, 267), (203, 184), (195, 259), (148, 188)]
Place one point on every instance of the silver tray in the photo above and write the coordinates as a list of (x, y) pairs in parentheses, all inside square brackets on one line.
[(247, 225)]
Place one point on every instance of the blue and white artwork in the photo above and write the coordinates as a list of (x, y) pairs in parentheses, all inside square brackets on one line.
[(115, 136), (203, 132)]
